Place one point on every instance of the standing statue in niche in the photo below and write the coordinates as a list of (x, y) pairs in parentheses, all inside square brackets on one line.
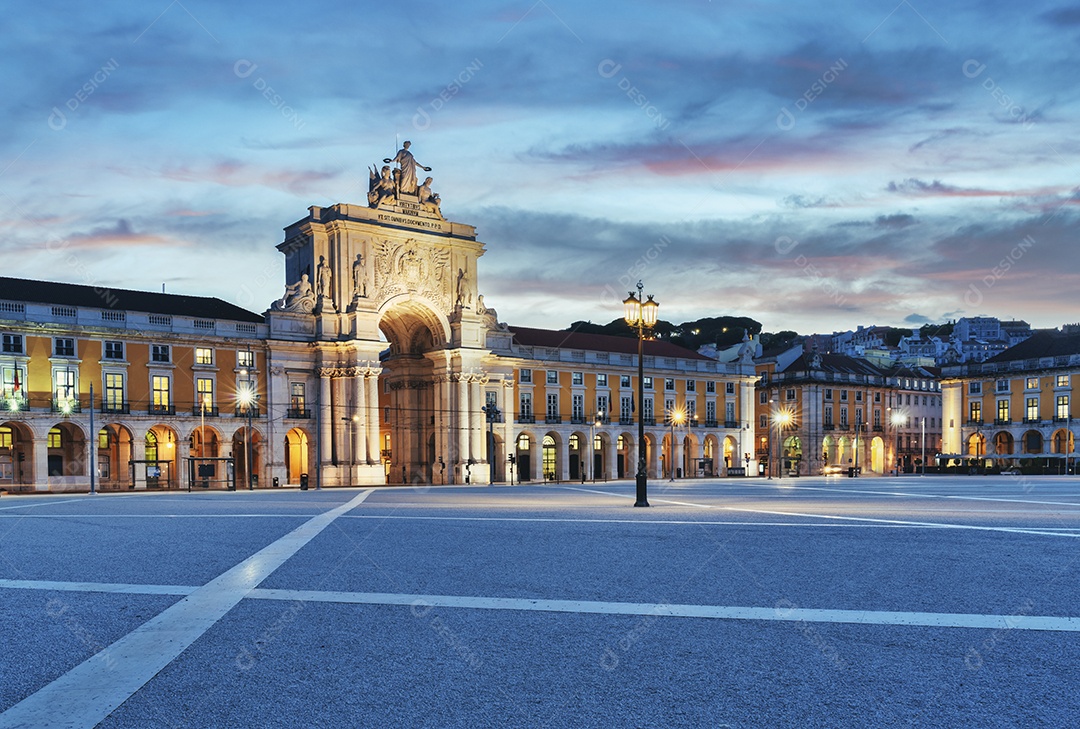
[(407, 164), (463, 295), (323, 278), (359, 280)]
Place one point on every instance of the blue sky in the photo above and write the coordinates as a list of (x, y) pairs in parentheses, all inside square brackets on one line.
[(815, 166)]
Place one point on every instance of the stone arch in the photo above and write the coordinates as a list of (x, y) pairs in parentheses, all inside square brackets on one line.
[(115, 449), (551, 460), (527, 449), (976, 445), (403, 318), (652, 456), (67, 453), (159, 467), (829, 451), (625, 456), (731, 455), (1003, 443), (578, 447), (1031, 442), (877, 454), (240, 456), (299, 454), (16, 456), (1063, 441)]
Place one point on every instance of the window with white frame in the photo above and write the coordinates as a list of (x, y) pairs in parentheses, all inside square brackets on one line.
[(1031, 409), (647, 408), (710, 411), (204, 393), (624, 380), (552, 377), (646, 383), (974, 388), (11, 344), (577, 407), (553, 405), (114, 392), (204, 356), (525, 405), (114, 350), (710, 387), (159, 353), (626, 408), (729, 413), (161, 386), (525, 375), (64, 347), (729, 388), (577, 378), (601, 380), (1061, 407), (1061, 381), (1031, 383), (691, 385), (603, 406), (64, 384), (669, 384), (245, 358)]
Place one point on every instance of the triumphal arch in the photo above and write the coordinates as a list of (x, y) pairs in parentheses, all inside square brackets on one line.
[(382, 340)]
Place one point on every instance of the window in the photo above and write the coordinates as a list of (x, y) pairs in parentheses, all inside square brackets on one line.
[(103, 439), (763, 422), (691, 411), (114, 392), (626, 409), (828, 393), (729, 415), (1031, 409), (64, 347), (858, 396), (646, 383), (577, 378), (691, 386), (491, 402), (601, 380), (858, 416), (525, 405), (790, 395), (577, 407), (12, 344), (159, 353), (298, 396), (553, 405), (877, 418), (552, 377), (843, 396), (1062, 380), (1003, 411), (765, 377), (710, 412), (710, 387), (975, 388), (1061, 407), (1031, 383), (624, 380), (14, 382), (729, 388), (877, 397), (55, 438), (204, 387), (204, 356), (669, 384), (763, 397), (64, 384), (245, 359), (114, 350), (647, 408), (843, 416), (1002, 386), (669, 410), (525, 375), (828, 415), (975, 412), (603, 407), (160, 386)]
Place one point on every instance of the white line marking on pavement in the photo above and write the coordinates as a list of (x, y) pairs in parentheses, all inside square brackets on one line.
[(88, 693), (158, 516), (39, 503), (924, 524), (934, 496), (631, 496), (720, 612), (115, 587)]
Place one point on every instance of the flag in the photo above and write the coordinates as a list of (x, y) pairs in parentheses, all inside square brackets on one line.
[(17, 385)]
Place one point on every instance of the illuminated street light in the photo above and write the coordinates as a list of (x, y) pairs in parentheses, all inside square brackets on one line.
[(641, 315)]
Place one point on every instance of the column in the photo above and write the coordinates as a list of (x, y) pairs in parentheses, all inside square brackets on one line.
[(41, 463), (611, 459), (443, 428), (463, 420), (338, 414), (478, 423), (358, 427), (326, 426), (371, 381)]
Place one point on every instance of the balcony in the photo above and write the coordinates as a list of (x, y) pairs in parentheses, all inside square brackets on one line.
[(603, 420), (731, 423), (115, 407), (14, 404), (712, 423), (1059, 419), (879, 428), (200, 410), (649, 421), (1032, 421), (974, 422), (526, 418), (298, 413), (626, 420), (155, 409), (553, 419), (66, 405), (577, 419), (247, 412), (828, 426), (1002, 421)]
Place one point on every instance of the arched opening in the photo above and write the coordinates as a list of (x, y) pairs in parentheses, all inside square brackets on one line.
[(1063, 441), (67, 451), (1031, 442), (732, 457), (549, 459), (526, 442), (976, 445), (624, 456), (297, 455), (652, 456), (415, 410), (115, 450), (601, 447), (691, 458), (1003, 443), (792, 453), (830, 451), (846, 452), (242, 440), (16, 457), (157, 470), (877, 455), (577, 445)]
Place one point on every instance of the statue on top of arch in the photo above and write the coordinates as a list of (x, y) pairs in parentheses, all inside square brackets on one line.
[(391, 185)]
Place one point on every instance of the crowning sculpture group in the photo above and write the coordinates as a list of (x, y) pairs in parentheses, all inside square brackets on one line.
[(401, 183)]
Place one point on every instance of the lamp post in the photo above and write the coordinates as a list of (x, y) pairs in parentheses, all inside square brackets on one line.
[(641, 315), (247, 398), (923, 474), (597, 421), (492, 414), (783, 418), (675, 417), (897, 420), (858, 428)]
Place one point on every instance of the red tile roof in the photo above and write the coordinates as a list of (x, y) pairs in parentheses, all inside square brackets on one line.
[(529, 337)]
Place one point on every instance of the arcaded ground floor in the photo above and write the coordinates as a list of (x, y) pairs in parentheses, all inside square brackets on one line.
[(937, 601)]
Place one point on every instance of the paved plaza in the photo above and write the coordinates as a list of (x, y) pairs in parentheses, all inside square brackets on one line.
[(808, 602)]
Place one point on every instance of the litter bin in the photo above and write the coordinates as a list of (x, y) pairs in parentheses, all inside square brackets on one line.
[(678, 473), (277, 482), (303, 482), (851, 472)]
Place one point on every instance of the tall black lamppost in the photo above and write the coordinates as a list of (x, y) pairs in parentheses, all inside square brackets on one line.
[(641, 315), (493, 416)]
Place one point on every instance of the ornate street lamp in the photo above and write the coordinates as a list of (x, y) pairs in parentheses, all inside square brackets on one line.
[(642, 316)]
